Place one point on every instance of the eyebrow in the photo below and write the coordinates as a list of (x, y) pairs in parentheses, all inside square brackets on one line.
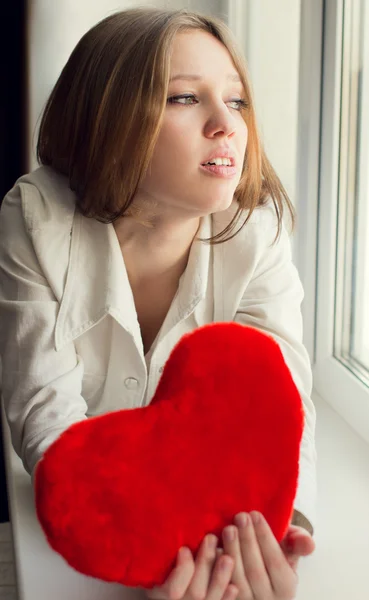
[(188, 77)]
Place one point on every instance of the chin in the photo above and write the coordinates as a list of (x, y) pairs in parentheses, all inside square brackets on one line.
[(219, 204)]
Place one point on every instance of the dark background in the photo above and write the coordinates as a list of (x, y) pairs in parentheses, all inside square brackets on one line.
[(13, 139)]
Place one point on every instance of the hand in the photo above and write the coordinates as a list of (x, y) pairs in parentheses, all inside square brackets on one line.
[(208, 578), (265, 569), (296, 543)]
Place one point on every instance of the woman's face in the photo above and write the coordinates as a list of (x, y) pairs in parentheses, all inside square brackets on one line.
[(203, 121)]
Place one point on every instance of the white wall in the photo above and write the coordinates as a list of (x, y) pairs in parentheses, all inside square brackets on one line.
[(54, 28)]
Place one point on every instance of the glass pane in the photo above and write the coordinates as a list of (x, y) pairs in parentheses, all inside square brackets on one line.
[(352, 268)]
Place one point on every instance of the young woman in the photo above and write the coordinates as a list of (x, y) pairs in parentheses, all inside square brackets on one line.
[(155, 211)]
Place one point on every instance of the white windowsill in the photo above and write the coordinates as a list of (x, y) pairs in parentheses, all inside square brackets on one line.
[(339, 566), (337, 569)]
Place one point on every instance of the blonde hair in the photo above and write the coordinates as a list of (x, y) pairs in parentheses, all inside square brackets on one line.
[(121, 67)]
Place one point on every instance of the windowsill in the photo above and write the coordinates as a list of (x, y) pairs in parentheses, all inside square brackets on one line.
[(337, 569), (339, 566)]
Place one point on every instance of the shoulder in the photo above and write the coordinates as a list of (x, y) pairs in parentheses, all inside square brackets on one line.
[(44, 199), (259, 231), (36, 222)]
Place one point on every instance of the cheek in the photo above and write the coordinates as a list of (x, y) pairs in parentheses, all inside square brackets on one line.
[(173, 147), (243, 135)]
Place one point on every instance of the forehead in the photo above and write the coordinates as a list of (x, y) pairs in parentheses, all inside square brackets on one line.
[(199, 53)]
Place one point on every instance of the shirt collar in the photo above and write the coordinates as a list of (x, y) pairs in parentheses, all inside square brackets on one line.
[(97, 282)]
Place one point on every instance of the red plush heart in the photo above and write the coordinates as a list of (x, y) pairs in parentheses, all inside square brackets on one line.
[(117, 495)]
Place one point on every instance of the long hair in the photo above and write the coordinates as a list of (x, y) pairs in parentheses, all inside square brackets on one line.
[(102, 119)]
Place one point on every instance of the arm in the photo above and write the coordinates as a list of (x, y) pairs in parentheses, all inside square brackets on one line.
[(271, 303), (41, 388)]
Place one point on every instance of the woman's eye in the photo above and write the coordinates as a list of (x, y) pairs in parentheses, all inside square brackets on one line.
[(187, 99), (190, 99), (239, 104)]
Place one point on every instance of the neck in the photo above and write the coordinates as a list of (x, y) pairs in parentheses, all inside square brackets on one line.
[(167, 244)]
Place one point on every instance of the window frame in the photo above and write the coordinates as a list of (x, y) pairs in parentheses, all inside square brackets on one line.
[(333, 381), (305, 242), (362, 226)]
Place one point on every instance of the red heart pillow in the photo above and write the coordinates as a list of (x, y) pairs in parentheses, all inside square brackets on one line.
[(117, 495)]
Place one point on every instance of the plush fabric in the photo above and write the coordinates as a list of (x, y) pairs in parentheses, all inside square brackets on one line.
[(118, 494)]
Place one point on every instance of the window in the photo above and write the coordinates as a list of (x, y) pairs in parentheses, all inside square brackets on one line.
[(352, 265), (341, 371)]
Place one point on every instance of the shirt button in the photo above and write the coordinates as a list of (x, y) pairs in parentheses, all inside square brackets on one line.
[(131, 383), (161, 369)]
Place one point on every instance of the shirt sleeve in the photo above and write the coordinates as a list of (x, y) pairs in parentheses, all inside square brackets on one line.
[(272, 303), (41, 388)]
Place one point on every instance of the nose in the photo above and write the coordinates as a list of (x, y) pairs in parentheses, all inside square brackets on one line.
[(221, 123)]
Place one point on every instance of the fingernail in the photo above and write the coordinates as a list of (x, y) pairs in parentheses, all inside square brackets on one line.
[(241, 520), (211, 541), (255, 517), (184, 552)]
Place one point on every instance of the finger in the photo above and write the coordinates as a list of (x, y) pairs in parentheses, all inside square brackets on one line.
[(294, 532), (231, 545), (205, 560), (219, 553), (178, 581), (296, 545), (293, 561), (301, 543), (221, 578), (294, 529), (253, 562), (297, 541), (231, 592), (281, 576)]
